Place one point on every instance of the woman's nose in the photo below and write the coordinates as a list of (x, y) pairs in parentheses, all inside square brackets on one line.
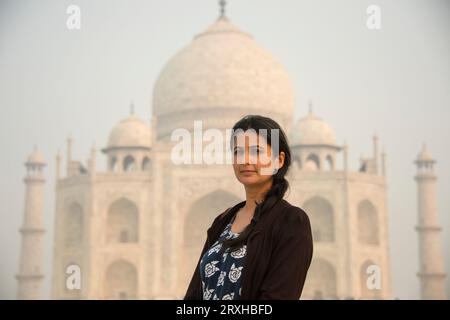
[(247, 157)]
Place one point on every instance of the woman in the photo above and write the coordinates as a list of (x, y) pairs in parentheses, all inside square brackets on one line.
[(262, 247)]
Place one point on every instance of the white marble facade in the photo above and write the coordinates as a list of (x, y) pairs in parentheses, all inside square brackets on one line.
[(136, 229)]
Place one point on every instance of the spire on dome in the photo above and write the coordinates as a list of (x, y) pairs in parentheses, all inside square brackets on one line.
[(424, 155), (310, 106), (132, 108), (35, 158), (222, 4)]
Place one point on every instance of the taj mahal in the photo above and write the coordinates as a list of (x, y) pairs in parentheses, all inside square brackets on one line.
[(136, 229)]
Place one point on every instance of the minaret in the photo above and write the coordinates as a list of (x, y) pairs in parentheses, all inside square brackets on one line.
[(30, 275), (431, 272)]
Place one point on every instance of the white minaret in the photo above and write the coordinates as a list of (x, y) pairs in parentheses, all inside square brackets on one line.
[(431, 272), (30, 275)]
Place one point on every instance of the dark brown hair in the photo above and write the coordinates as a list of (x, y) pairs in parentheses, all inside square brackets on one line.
[(279, 183)]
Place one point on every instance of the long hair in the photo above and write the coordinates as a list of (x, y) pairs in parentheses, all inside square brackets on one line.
[(279, 184)]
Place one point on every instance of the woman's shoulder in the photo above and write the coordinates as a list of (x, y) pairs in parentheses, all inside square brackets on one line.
[(292, 214), (294, 210), (228, 210)]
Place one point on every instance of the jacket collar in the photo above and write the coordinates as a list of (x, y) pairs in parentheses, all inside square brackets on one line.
[(226, 217)]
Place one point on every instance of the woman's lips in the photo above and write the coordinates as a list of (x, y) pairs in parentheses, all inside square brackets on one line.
[(247, 171)]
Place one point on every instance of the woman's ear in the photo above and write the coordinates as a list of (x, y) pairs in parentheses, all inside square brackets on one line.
[(281, 158)]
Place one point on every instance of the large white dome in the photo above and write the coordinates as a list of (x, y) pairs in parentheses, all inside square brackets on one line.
[(222, 75)]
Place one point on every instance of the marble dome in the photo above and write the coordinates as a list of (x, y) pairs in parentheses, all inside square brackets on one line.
[(36, 157), (221, 71), (425, 155), (130, 132), (312, 130)]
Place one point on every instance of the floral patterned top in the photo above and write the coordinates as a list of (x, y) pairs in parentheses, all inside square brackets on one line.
[(221, 275)]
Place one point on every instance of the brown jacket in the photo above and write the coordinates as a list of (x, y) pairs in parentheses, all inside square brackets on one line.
[(279, 252)]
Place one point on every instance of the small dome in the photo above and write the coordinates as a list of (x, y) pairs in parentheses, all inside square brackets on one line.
[(425, 155), (312, 130), (130, 132), (35, 157)]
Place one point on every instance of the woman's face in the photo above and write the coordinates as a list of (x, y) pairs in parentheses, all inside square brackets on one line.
[(253, 163)]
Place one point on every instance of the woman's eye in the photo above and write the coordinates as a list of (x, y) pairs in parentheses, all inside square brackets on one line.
[(252, 152)]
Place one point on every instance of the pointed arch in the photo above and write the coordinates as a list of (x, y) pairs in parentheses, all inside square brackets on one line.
[(329, 163), (122, 222), (321, 214), (146, 164), (321, 280), (298, 160), (129, 164), (121, 280), (113, 164), (368, 226), (312, 162), (73, 225)]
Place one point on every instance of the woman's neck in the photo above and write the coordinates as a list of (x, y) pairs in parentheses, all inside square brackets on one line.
[(255, 193)]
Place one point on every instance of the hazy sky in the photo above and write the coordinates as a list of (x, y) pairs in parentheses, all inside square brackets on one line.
[(394, 82)]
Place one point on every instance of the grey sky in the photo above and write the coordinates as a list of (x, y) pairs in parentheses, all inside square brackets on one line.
[(393, 82)]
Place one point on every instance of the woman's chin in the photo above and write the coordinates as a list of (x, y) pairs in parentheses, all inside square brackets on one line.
[(249, 180)]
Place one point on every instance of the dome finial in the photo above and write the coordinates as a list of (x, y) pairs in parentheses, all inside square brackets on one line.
[(131, 107), (222, 4), (310, 106)]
